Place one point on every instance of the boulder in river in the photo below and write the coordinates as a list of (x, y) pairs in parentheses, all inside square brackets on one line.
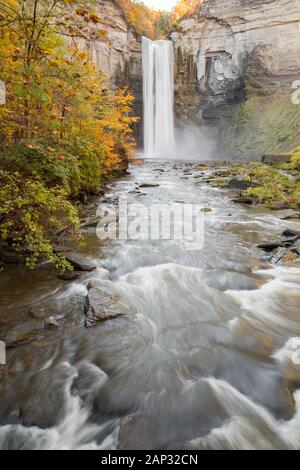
[(269, 246), (51, 322), (279, 205), (24, 333), (90, 222), (39, 312), (236, 183), (243, 200), (291, 258), (290, 214), (79, 262), (148, 185), (291, 234), (12, 257), (276, 255), (296, 247), (101, 306), (69, 275)]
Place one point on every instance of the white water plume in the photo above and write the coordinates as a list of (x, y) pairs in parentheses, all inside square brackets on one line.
[(161, 138), (158, 80)]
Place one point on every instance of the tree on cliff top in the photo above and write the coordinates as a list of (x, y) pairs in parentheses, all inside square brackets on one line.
[(185, 7), (154, 24)]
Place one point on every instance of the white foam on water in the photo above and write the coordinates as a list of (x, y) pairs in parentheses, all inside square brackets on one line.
[(73, 432)]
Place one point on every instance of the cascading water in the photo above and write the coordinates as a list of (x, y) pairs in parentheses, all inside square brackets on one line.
[(158, 85), (202, 360)]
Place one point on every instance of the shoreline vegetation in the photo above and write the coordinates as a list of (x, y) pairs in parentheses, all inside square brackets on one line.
[(275, 185), (63, 130), (156, 23)]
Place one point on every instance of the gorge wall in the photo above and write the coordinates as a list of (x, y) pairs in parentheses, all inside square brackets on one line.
[(240, 51), (118, 54)]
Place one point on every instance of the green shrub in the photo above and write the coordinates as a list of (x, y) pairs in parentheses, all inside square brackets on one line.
[(74, 167), (89, 164), (54, 167), (31, 215), (296, 159)]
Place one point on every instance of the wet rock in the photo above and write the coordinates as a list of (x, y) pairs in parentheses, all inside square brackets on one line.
[(79, 262), (149, 185), (11, 257), (89, 381), (101, 306), (24, 333), (276, 255), (243, 200), (241, 184), (296, 247), (269, 246), (90, 222), (69, 275), (279, 205), (51, 322), (39, 313), (274, 159), (83, 197), (289, 241), (290, 215), (291, 258), (291, 234)]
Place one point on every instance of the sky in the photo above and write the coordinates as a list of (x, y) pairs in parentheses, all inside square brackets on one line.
[(161, 4)]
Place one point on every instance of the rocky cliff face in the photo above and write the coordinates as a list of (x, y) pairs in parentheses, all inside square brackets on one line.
[(119, 53), (231, 49)]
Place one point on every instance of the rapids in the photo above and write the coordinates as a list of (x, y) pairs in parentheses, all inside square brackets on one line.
[(202, 361)]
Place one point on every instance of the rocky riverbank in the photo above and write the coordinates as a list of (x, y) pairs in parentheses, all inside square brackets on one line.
[(252, 185), (84, 354), (276, 187)]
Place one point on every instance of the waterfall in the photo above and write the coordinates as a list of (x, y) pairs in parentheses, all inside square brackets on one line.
[(158, 86)]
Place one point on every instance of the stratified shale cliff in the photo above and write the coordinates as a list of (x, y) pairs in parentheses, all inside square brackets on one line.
[(229, 52), (118, 54)]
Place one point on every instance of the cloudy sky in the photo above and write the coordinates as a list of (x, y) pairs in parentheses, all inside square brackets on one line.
[(161, 4)]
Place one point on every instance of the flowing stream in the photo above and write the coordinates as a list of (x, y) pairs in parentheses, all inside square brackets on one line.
[(205, 356), (201, 361)]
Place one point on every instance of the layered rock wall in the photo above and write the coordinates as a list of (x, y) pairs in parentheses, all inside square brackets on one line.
[(118, 54), (228, 49)]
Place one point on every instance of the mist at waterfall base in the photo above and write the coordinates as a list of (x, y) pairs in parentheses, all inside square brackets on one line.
[(161, 138)]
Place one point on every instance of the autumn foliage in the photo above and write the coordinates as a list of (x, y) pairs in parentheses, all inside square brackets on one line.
[(155, 24), (62, 128), (185, 7)]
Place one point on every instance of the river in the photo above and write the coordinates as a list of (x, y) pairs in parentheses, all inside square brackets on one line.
[(203, 360)]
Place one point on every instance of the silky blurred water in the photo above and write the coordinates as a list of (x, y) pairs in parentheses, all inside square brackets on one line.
[(203, 361)]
